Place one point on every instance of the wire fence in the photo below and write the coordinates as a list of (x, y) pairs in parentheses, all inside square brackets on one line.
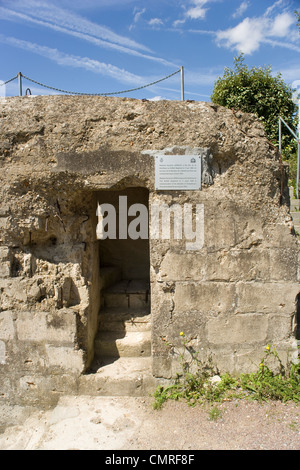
[(20, 76)]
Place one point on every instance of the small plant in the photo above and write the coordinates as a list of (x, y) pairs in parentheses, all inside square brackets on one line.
[(293, 426), (214, 413), (201, 382), (264, 384)]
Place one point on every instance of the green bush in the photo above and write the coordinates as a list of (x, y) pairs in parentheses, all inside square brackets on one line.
[(256, 90)]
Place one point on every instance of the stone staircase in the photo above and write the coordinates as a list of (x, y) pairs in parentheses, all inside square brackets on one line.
[(295, 211), (122, 360)]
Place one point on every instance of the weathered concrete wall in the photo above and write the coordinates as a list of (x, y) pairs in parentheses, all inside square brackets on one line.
[(233, 296)]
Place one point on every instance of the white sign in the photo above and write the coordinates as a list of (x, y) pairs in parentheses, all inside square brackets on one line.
[(178, 172)]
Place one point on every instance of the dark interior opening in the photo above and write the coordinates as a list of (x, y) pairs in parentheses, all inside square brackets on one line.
[(131, 256)]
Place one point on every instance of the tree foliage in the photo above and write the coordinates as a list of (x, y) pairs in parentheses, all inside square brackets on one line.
[(297, 13), (256, 91)]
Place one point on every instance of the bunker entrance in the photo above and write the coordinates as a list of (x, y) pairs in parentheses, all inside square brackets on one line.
[(124, 266)]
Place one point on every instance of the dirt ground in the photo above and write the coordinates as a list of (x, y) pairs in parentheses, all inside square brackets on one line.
[(123, 423)]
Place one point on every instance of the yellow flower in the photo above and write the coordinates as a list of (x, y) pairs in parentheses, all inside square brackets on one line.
[(181, 333), (268, 348)]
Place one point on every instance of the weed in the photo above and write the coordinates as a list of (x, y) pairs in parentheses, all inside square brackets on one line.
[(201, 383), (214, 413), (293, 426)]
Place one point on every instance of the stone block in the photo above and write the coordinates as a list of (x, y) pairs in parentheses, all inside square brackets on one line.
[(237, 329), (266, 297), (45, 390), (209, 297), (5, 253), (5, 269), (219, 231), (280, 328), (237, 265), (162, 367), (283, 264), (2, 352), (4, 210), (5, 262), (57, 327), (61, 326), (247, 359), (183, 266), (31, 326), (280, 236), (7, 329), (3, 223), (65, 358)]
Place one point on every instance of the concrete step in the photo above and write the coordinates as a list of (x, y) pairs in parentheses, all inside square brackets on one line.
[(120, 377), (133, 301), (109, 275), (133, 294), (124, 320), (118, 344)]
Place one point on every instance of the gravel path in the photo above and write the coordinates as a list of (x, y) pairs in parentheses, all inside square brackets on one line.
[(112, 423)]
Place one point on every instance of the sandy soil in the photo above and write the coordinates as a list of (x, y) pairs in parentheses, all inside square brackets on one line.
[(112, 423)]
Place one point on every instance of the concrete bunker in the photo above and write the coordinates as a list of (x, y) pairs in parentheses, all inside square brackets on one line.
[(232, 293)]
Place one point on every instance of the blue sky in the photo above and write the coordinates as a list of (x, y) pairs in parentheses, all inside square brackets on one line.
[(104, 46)]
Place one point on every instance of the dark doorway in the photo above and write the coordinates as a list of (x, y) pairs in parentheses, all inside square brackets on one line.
[(131, 256)]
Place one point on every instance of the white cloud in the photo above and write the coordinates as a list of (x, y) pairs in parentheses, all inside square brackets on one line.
[(275, 5), (249, 34), (241, 10), (78, 23), (197, 10), (36, 11), (245, 37), (69, 60), (155, 22), (281, 25), (178, 23), (137, 15), (286, 45), (79, 31), (157, 98)]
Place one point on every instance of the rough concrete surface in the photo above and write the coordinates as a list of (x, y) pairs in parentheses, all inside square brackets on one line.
[(126, 423), (232, 293)]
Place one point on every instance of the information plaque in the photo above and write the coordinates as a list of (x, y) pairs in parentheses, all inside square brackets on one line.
[(178, 172)]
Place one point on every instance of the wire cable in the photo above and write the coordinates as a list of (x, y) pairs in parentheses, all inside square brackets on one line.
[(97, 94), (10, 80)]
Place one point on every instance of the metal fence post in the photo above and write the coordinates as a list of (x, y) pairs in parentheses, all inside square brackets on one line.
[(279, 127), (182, 83), (20, 83)]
